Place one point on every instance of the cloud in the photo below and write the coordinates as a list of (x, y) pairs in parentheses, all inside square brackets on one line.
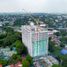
[(48, 6)]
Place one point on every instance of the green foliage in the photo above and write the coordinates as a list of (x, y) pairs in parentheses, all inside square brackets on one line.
[(56, 65), (3, 62), (62, 45), (8, 29), (9, 38), (63, 40), (20, 21), (64, 63), (51, 46), (57, 33), (19, 46), (63, 57), (25, 63), (29, 58), (15, 58), (18, 36), (63, 32), (2, 36), (1, 43)]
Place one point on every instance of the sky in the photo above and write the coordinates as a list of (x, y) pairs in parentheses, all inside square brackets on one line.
[(34, 6)]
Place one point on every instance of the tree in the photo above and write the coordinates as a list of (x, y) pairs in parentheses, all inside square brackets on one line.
[(18, 35), (63, 40), (62, 45), (56, 65), (9, 40), (25, 51), (3, 62), (51, 46), (8, 29), (25, 63), (15, 58), (2, 36), (57, 33), (21, 49), (64, 63), (29, 58)]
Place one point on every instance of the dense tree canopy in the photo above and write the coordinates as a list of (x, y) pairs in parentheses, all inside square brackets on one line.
[(12, 39), (29, 58), (56, 65), (25, 63), (64, 63)]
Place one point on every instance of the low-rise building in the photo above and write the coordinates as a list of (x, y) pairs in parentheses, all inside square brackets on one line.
[(6, 53)]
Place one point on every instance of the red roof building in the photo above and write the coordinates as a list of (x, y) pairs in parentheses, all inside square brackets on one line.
[(0, 65), (12, 65), (19, 64)]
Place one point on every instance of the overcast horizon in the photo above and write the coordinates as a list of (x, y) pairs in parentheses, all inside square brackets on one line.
[(34, 6)]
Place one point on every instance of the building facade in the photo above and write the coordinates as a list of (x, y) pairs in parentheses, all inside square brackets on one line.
[(35, 39)]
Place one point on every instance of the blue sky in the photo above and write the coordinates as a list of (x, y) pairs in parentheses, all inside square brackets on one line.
[(46, 6)]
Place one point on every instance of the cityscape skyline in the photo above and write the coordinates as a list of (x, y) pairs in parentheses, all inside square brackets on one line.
[(34, 6)]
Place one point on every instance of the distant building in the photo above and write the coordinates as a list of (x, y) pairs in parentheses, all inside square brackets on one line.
[(35, 38), (64, 51), (0, 24), (6, 53), (47, 61)]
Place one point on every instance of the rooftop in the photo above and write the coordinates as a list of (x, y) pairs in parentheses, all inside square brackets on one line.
[(35, 28), (64, 51)]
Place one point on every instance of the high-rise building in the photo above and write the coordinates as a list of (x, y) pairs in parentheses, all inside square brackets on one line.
[(35, 38)]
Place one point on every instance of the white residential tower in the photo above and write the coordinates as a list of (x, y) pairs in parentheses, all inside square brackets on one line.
[(35, 38)]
